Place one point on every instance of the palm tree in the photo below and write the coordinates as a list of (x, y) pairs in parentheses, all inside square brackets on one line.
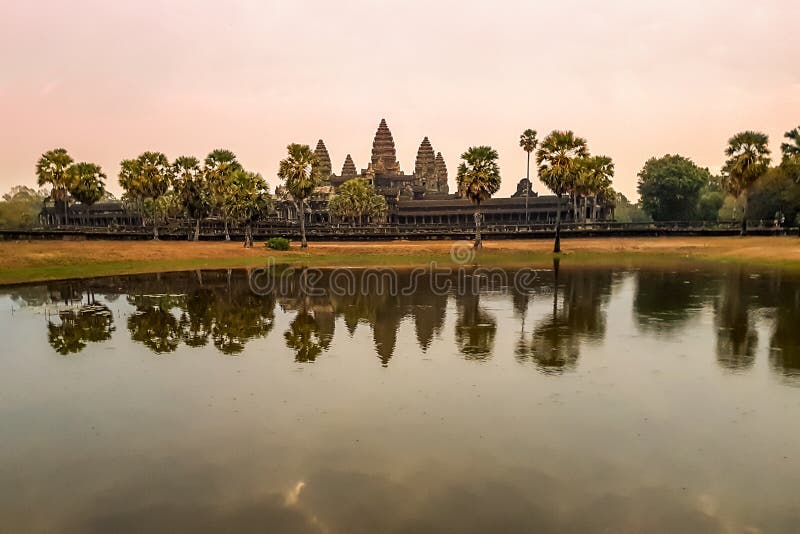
[(87, 183), (301, 174), (53, 168), (748, 160), (478, 179), (557, 158), (528, 143), (248, 196), (145, 179), (792, 148), (220, 164), (192, 190), (594, 179)]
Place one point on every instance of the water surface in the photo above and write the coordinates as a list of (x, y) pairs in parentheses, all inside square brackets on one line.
[(588, 400)]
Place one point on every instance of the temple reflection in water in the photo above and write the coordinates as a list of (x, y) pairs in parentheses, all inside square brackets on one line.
[(550, 321)]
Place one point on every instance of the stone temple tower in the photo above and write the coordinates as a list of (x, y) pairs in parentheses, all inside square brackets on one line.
[(441, 174), (384, 155), (425, 167), (323, 162), (349, 168)]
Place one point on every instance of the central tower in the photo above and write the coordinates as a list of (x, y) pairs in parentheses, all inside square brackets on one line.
[(384, 155)]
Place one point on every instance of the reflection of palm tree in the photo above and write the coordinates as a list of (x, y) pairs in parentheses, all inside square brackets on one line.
[(736, 334), (304, 338), (665, 300), (155, 327), (555, 343), (92, 323), (239, 319), (475, 328), (785, 342)]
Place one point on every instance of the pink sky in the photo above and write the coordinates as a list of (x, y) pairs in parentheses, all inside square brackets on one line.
[(108, 80)]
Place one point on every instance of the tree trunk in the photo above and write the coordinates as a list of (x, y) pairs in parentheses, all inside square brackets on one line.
[(227, 233), (744, 217), (528, 189), (155, 230), (303, 241), (557, 244), (478, 241), (197, 229)]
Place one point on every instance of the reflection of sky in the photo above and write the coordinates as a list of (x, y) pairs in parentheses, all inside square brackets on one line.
[(646, 430)]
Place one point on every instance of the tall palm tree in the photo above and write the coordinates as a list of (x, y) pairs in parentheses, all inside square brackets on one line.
[(53, 169), (792, 148), (145, 180), (528, 143), (301, 174), (557, 158), (87, 183), (595, 177), (478, 179), (748, 160), (192, 190), (220, 164)]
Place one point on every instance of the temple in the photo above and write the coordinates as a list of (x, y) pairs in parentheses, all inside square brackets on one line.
[(424, 197)]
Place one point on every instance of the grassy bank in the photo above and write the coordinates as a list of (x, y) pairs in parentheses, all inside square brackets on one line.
[(52, 260)]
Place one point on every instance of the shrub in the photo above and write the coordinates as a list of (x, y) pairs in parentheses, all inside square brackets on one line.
[(278, 243)]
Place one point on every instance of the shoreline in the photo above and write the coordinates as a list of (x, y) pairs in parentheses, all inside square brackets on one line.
[(39, 261)]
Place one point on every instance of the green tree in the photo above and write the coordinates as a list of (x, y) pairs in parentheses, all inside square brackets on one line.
[(791, 153), (189, 183), (627, 212), (478, 179), (356, 201), (774, 194), (558, 158), (20, 207), (594, 180), (248, 195), (145, 179), (748, 160), (53, 169), (669, 187), (220, 165), (528, 142), (300, 173), (87, 183)]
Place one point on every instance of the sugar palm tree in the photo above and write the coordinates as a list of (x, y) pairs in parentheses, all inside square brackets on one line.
[(478, 179), (557, 158), (248, 194), (595, 174), (528, 143), (219, 165), (87, 183), (791, 149), (53, 169), (146, 179), (192, 189), (748, 160), (300, 173)]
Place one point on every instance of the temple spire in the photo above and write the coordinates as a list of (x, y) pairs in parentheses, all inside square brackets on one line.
[(425, 166), (441, 174), (323, 161), (384, 155), (349, 168)]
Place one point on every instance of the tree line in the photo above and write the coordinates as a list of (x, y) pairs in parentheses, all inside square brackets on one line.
[(673, 187)]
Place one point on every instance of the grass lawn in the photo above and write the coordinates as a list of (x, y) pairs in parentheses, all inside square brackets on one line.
[(51, 260)]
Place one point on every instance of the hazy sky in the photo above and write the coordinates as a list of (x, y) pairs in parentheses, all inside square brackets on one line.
[(110, 79)]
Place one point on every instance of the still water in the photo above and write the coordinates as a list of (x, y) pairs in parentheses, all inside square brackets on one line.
[(586, 400)]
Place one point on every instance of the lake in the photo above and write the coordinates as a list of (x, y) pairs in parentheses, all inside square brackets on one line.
[(604, 399)]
